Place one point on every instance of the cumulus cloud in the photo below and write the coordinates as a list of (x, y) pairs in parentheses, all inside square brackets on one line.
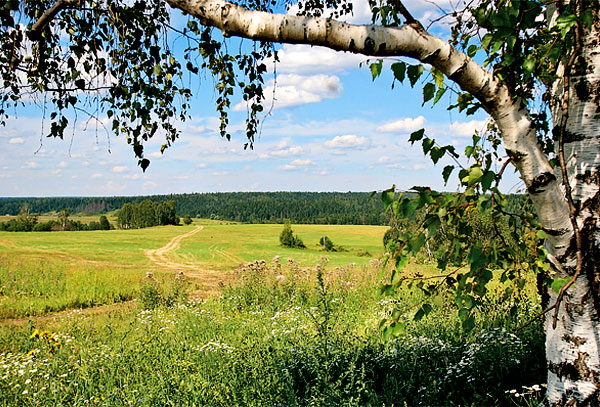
[(283, 150), (467, 129), (62, 164), (307, 59), (297, 164), (405, 125), (348, 141), (16, 140), (119, 168), (220, 173), (294, 90), (31, 164)]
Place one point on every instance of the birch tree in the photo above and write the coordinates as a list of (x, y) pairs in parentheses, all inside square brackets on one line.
[(537, 53)]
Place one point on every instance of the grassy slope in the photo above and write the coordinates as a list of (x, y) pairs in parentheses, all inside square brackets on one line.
[(44, 272)]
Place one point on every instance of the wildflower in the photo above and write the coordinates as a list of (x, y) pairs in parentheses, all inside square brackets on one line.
[(27, 381)]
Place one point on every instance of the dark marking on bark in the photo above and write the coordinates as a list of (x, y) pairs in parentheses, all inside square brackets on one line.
[(351, 46), (556, 232), (582, 89), (431, 57), (575, 340), (540, 182), (382, 47), (458, 73), (568, 137), (575, 370), (369, 45), (589, 177)]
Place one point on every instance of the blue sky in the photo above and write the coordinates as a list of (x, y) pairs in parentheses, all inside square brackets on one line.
[(332, 129)]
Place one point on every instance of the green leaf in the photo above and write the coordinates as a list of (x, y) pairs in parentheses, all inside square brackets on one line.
[(414, 73), (157, 70), (399, 70), (436, 153), (419, 315), (376, 68), (473, 176), (439, 95), (558, 283), (469, 323), (587, 18), (416, 135), (487, 179), (540, 234), (529, 65), (427, 144), (387, 197), (428, 92), (397, 328), (446, 172)]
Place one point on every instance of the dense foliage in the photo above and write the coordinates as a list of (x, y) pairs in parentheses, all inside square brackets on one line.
[(147, 214)]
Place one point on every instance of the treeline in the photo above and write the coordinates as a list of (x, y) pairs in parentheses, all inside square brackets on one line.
[(356, 208), (147, 214), (351, 208), (29, 222)]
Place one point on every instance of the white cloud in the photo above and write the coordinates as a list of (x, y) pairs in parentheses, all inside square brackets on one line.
[(119, 168), (97, 175), (16, 140), (297, 164), (348, 141), (62, 164), (283, 150), (132, 176), (31, 164), (220, 173), (384, 159), (307, 59), (294, 90), (405, 125), (155, 155), (467, 129)]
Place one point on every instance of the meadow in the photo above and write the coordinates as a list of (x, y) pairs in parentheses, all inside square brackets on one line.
[(298, 328)]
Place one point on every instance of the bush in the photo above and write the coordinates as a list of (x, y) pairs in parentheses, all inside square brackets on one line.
[(187, 220), (327, 244)]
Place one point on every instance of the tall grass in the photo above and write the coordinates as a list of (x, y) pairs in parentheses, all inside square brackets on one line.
[(30, 288), (282, 335)]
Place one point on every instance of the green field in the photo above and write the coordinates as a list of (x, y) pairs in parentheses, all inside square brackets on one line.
[(44, 272), (298, 333)]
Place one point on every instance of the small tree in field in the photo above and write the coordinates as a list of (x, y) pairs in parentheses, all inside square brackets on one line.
[(187, 220), (288, 239), (104, 223)]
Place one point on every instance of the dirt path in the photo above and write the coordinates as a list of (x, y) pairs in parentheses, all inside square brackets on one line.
[(160, 256), (207, 282)]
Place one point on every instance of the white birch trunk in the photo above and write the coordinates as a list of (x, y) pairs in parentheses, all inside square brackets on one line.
[(573, 347)]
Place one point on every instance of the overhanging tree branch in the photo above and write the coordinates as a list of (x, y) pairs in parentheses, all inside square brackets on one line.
[(408, 40), (36, 30)]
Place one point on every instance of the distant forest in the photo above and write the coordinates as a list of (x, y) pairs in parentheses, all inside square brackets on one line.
[(354, 208)]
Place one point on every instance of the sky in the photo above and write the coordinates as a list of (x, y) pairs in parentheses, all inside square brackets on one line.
[(332, 129)]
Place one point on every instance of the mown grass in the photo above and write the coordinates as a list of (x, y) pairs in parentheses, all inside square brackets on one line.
[(280, 336), (225, 246)]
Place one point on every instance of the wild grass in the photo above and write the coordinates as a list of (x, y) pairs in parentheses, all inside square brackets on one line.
[(32, 288), (283, 334)]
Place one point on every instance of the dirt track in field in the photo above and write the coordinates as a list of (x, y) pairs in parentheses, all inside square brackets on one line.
[(209, 281)]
